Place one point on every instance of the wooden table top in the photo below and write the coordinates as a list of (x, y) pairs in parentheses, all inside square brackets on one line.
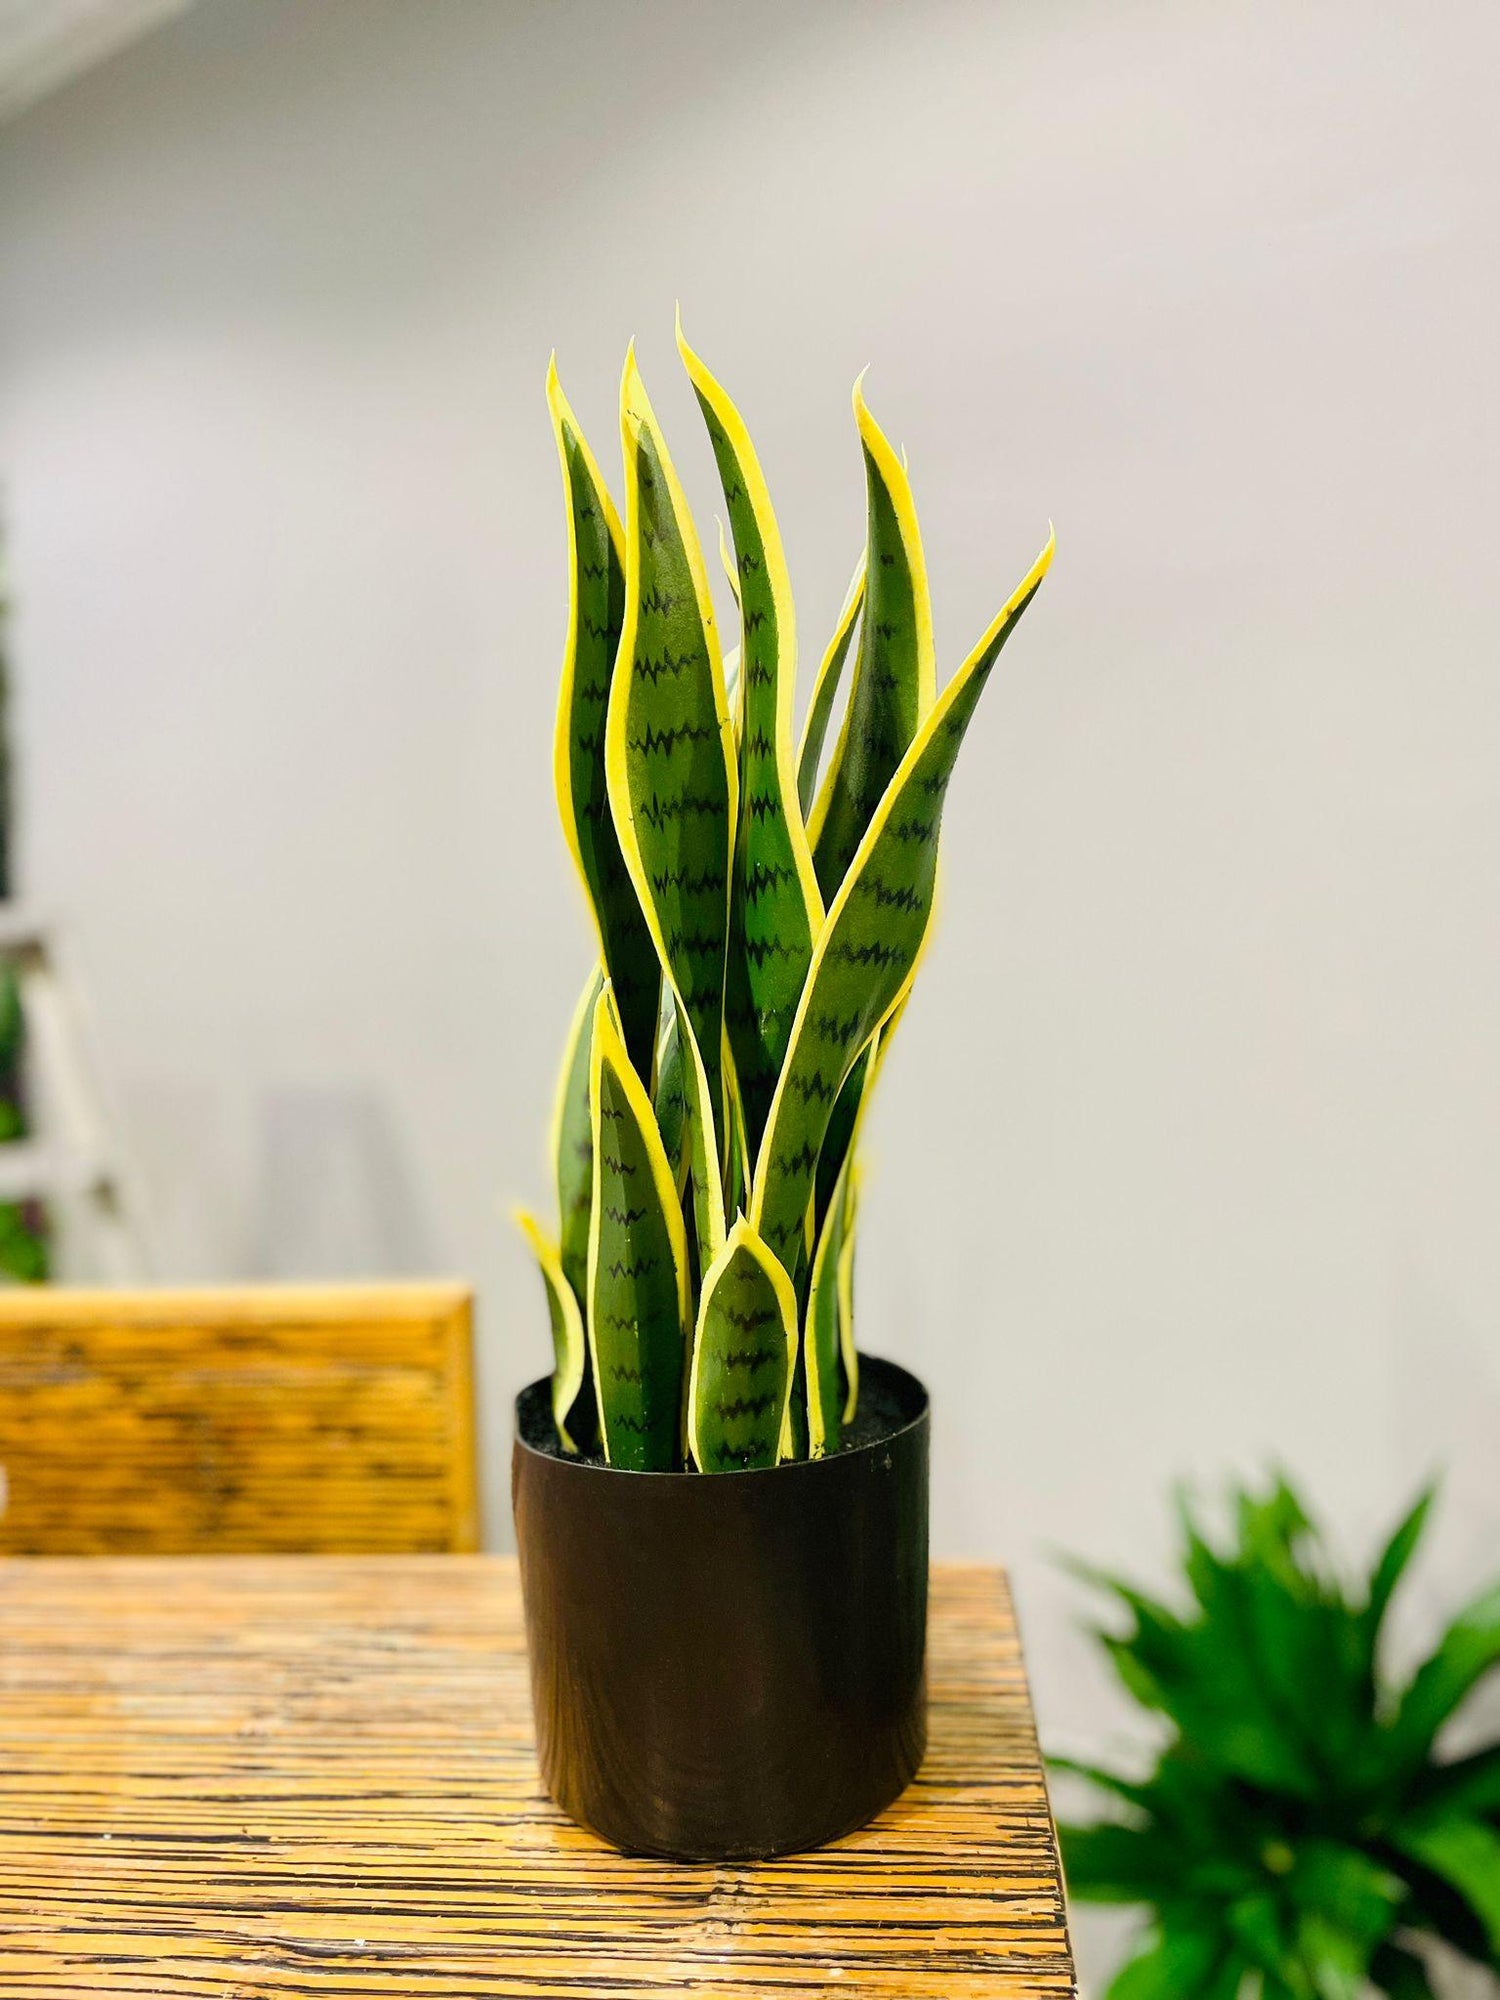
[(286, 1776)]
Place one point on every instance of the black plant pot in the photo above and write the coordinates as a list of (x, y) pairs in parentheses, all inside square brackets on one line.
[(728, 1665)]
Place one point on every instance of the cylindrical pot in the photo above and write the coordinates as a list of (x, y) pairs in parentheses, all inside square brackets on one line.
[(728, 1665)]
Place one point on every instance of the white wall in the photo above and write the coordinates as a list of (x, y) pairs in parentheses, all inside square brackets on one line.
[(1190, 1154)]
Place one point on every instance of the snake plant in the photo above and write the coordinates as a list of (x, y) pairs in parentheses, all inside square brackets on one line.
[(759, 911), (1299, 1835)]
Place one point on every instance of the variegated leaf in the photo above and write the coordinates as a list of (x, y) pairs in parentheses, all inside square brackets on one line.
[(776, 910), (568, 1345), (821, 1343), (737, 1163), (868, 950), (743, 1351), (825, 691), (733, 689), (668, 1095), (847, 1345), (727, 561), (705, 1157), (669, 746), (572, 1141), (596, 608), (638, 1282), (849, 1106), (892, 690), (830, 1309)]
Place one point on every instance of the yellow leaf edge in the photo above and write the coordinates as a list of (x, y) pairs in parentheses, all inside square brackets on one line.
[(915, 750), (578, 1026), (893, 474), (845, 1202), (563, 423), (747, 460), (635, 413), (831, 661), (567, 1380), (608, 1046), (844, 1279), (743, 1237)]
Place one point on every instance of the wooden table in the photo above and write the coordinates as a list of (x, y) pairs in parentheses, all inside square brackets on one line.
[(288, 1776)]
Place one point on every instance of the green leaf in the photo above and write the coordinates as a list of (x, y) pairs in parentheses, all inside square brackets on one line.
[(572, 1141), (669, 740), (743, 1352), (776, 910), (638, 1286), (823, 1346), (1255, 1924), (867, 953), (825, 691), (12, 1019), (1468, 1786), (1179, 1964), (847, 1347), (568, 1344), (842, 1136), (1468, 1650), (24, 1252), (702, 1123), (1466, 1855), (1334, 1964), (1389, 1570), (1238, 1681), (894, 675), (1349, 1890), (1110, 1863), (596, 607), (737, 1164), (669, 1093)]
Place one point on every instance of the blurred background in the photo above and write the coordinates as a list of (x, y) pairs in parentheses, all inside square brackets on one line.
[(1188, 1157)]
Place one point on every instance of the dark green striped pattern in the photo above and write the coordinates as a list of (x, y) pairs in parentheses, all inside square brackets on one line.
[(865, 956), (741, 1359), (668, 1097), (676, 771), (884, 701), (771, 935), (574, 1142), (599, 580), (636, 1336)]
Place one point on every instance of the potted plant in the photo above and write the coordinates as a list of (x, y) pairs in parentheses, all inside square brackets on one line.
[(1299, 1837), (721, 1508)]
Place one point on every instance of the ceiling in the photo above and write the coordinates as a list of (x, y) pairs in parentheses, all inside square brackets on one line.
[(45, 43)]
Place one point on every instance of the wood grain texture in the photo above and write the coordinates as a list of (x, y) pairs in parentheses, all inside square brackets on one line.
[(336, 1419), (268, 1777)]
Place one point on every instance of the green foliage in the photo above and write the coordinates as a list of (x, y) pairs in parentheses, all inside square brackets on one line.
[(1299, 1828), (24, 1252), (757, 934)]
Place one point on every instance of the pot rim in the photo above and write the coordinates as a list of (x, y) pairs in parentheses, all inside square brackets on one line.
[(802, 1465)]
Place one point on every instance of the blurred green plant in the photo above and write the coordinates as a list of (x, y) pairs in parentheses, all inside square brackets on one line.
[(1299, 1832), (23, 1226)]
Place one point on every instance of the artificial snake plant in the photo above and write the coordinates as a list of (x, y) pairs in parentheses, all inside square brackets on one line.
[(759, 911), (1299, 1835)]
